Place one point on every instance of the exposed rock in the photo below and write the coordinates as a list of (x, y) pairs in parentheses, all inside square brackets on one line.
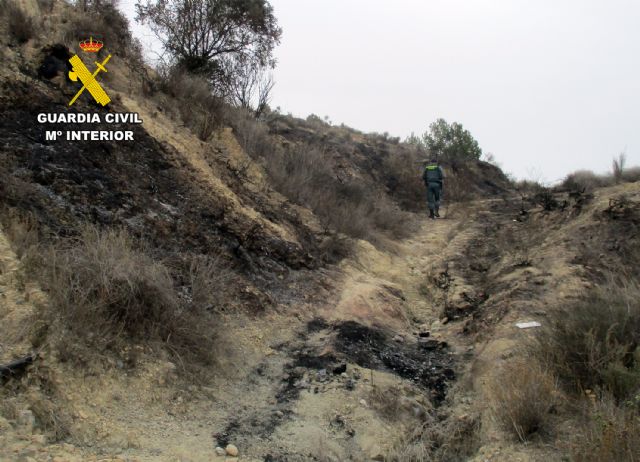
[(231, 450), (220, 451)]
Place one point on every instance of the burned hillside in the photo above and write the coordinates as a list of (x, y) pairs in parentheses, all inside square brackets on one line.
[(237, 284)]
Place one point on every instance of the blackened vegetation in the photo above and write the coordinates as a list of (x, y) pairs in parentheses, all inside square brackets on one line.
[(144, 187), (55, 62), (15, 368), (316, 325), (546, 199), (428, 365)]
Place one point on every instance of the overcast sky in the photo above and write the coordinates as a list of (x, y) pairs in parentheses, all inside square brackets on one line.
[(547, 86)]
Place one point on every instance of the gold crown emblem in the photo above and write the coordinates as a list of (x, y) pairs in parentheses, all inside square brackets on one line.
[(91, 46)]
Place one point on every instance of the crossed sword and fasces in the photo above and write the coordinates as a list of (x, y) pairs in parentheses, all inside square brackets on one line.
[(88, 80)]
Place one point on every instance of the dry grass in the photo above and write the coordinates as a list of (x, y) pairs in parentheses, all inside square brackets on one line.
[(438, 440), (106, 288), (21, 231), (39, 392), (393, 404), (304, 175), (199, 109), (521, 398), (609, 433), (402, 174), (592, 344)]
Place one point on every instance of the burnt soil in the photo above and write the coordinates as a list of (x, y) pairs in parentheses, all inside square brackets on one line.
[(144, 186), (428, 364)]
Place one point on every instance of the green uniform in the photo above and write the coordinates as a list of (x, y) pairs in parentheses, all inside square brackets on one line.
[(433, 179)]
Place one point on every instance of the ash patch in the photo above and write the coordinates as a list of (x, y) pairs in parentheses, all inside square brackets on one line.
[(428, 364), (317, 325)]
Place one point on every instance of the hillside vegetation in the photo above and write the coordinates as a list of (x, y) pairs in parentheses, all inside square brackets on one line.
[(237, 276)]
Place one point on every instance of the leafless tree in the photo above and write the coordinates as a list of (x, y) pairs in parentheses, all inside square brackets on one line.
[(250, 88), (619, 164)]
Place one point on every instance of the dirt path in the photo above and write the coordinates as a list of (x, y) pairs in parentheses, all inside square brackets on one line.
[(341, 381)]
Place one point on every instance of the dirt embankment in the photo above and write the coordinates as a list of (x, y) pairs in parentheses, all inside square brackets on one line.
[(404, 339)]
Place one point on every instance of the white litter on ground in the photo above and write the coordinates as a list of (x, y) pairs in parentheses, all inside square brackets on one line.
[(527, 325)]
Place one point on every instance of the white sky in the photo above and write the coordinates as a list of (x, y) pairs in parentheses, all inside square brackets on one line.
[(547, 86)]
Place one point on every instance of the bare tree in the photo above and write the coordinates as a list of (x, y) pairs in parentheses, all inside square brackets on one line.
[(250, 88), (618, 166)]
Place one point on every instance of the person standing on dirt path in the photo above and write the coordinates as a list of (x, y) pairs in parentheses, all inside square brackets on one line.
[(433, 179)]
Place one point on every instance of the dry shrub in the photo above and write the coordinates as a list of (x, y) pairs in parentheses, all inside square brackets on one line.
[(521, 397), (403, 177), (456, 189), (608, 433), (208, 282), (335, 247), (46, 6), (631, 175), (526, 188), (393, 404), (252, 134), (104, 22), (438, 440), (199, 109), (50, 415), (585, 180), (592, 344), (305, 175), (21, 26), (105, 288)]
